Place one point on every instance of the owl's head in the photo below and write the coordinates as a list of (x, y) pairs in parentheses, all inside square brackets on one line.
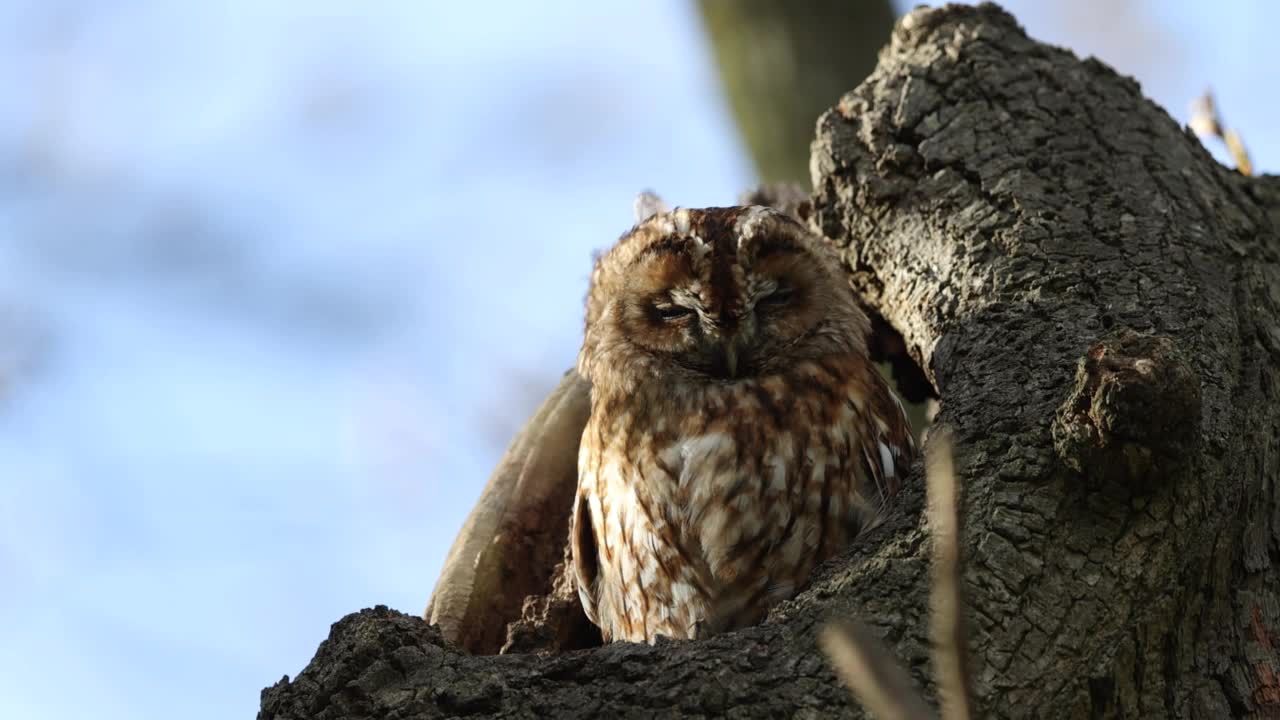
[(716, 295)]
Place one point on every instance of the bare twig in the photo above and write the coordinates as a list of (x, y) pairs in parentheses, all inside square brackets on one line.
[(947, 615), (1207, 122), (870, 671)]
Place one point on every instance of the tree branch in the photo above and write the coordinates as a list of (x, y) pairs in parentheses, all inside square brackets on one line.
[(1006, 207)]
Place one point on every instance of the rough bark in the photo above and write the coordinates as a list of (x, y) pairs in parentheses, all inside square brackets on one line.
[(1097, 302)]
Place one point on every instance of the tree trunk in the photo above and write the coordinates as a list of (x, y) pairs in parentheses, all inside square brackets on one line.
[(1097, 303), (783, 62)]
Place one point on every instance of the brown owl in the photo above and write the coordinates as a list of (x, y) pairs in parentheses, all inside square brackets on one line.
[(738, 433)]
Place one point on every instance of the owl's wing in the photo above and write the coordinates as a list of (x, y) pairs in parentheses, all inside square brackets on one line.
[(510, 543), (586, 567), (888, 445)]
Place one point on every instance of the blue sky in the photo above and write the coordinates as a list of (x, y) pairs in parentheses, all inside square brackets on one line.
[(279, 280)]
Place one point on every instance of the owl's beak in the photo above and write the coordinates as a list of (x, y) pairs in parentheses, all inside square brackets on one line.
[(731, 358)]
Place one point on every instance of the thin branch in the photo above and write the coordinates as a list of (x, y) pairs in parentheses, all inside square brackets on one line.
[(947, 617), (1207, 122), (871, 672)]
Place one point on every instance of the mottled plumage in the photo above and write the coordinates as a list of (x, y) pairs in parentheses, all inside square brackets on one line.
[(738, 435)]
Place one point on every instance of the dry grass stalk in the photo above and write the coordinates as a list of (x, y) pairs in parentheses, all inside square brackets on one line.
[(879, 682), (1207, 122)]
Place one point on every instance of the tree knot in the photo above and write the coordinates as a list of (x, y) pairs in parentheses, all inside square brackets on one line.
[(1133, 413)]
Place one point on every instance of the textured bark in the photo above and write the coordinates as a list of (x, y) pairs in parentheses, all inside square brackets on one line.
[(1097, 302)]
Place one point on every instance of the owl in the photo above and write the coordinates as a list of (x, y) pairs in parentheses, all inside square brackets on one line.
[(738, 433)]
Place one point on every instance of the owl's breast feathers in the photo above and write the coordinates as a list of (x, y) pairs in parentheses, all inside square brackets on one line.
[(699, 507)]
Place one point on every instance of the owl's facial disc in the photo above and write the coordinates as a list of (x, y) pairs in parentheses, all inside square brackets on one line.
[(725, 341), (725, 312), (719, 294)]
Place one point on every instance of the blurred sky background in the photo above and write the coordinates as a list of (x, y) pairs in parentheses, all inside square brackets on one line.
[(279, 280)]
